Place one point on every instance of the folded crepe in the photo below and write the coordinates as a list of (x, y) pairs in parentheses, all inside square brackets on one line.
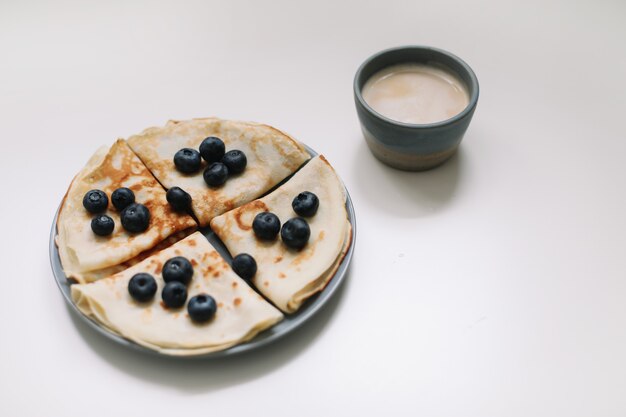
[(271, 155), (241, 312), (84, 255), (286, 276), (91, 276)]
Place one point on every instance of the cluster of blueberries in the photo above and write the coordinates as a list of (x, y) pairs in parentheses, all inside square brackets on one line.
[(177, 273), (294, 233), (221, 163), (135, 217)]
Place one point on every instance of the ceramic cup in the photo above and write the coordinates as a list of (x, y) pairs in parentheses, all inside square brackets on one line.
[(406, 146)]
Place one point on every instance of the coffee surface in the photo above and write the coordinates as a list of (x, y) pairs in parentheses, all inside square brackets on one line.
[(416, 93)]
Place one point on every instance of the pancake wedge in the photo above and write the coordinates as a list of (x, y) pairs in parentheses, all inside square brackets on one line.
[(241, 312), (287, 277), (91, 276), (84, 255), (271, 157)]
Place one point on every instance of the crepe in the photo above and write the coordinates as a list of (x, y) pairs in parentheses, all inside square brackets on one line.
[(91, 276), (286, 276), (271, 155), (241, 312), (84, 255)]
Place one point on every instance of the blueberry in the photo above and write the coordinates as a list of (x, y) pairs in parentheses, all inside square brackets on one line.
[(142, 287), (305, 204), (135, 218), (187, 160), (201, 308), (102, 225), (95, 201), (295, 233), (236, 161), (266, 225), (174, 294), (244, 265), (216, 174), (178, 198), (177, 269), (122, 198), (212, 149)]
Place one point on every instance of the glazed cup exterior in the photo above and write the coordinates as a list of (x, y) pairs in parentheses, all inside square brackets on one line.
[(406, 146)]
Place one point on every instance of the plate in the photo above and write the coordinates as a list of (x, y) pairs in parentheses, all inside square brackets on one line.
[(279, 330)]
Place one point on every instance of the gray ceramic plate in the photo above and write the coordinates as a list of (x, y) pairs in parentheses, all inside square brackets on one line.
[(290, 323)]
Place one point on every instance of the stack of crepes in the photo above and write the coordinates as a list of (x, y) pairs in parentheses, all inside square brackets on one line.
[(102, 266)]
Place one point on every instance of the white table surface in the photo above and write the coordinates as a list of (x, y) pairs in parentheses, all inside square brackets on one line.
[(492, 286)]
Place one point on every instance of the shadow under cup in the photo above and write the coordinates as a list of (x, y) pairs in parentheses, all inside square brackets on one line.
[(414, 147)]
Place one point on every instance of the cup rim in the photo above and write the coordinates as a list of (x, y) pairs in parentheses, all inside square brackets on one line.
[(472, 102)]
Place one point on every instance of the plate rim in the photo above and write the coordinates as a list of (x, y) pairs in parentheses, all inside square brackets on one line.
[(311, 306)]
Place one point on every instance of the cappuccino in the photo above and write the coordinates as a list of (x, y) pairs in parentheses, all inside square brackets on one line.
[(416, 93)]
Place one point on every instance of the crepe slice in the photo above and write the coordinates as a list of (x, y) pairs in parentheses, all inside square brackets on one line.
[(287, 277), (271, 155), (241, 312), (92, 276), (87, 257)]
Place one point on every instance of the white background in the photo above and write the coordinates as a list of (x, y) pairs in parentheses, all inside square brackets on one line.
[(492, 286)]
